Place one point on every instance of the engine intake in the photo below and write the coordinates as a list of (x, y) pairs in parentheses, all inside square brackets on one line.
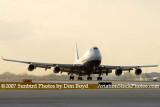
[(31, 67), (118, 72), (56, 69), (138, 72)]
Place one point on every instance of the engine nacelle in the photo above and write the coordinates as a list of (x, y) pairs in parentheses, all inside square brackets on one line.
[(31, 67), (56, 69), (118, 72), (138, 72)]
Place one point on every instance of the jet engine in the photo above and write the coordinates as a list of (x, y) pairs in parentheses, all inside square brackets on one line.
[(56, 69), (138, 72), (118, 72), (31, 67)]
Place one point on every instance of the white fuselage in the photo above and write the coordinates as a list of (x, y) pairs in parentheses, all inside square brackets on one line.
[(91, 56)]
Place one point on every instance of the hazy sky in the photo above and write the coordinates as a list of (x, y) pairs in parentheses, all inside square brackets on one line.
[(126, 31)]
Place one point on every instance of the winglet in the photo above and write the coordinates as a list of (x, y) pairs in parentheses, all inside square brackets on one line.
[(2, 57)]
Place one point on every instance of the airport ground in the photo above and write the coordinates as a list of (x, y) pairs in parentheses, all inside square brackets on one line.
[(115, 82), (83, 98), (80, 98)]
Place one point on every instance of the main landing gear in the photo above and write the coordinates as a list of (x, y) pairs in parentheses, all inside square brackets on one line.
[(79, 78), (99, 78), (89, 78), (71, 77)]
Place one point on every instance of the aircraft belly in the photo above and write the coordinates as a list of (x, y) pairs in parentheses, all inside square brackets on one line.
[(92, 63)]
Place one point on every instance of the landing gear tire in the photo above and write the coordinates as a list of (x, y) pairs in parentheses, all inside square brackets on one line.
[(99, 78), (89, 78), (71, 77), (79, 78)]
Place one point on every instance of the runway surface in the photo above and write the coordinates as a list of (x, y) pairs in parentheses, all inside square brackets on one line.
[(96, 82), (80, 98)]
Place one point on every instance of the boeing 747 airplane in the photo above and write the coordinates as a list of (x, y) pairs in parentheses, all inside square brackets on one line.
[(88, 64)]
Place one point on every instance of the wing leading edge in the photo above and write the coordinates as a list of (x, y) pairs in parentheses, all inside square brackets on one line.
[(127, 67), (67, 67), (42, 65)]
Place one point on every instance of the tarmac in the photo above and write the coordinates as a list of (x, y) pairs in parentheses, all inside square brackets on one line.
[(115, 82), (80, 98), (83, 98)]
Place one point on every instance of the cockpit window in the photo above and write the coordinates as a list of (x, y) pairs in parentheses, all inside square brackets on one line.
[(95, 48)]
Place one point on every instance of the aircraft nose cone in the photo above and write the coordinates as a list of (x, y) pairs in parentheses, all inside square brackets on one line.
[(97, 55)]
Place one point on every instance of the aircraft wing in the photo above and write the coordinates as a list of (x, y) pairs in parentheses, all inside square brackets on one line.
[(44, 65), (126, 67)]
